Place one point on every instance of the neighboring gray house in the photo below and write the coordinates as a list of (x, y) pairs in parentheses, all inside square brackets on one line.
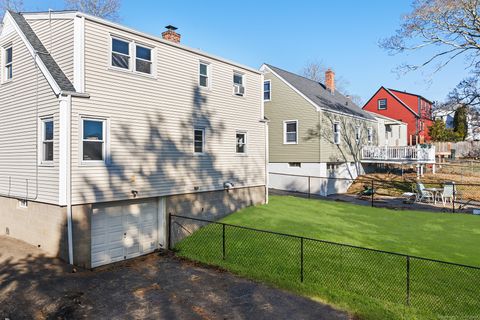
[(105, 130), (391, 132), (314, 130)]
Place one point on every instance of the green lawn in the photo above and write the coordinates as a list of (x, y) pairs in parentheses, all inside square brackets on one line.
[(369, 284)]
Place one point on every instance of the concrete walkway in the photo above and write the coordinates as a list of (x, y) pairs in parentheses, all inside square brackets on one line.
[(33, 285)]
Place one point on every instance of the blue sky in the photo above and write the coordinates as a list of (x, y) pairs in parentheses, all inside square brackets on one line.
[(342, 35)]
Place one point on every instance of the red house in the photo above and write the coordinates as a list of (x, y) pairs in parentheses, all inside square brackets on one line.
[(410, 108)]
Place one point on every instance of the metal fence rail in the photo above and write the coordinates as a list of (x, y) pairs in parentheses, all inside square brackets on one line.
[(428, 285), (391, 194)]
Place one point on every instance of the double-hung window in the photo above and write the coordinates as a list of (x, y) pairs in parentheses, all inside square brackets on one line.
[(93, 140), (8, 63), (238, 84), (370, 135), (382, 104), (199, 140), (47, 139), (241, 145), (143, 59), (120, 53), (336, 133), (357, 133), (267, 90), (290, 131), (204, 75)]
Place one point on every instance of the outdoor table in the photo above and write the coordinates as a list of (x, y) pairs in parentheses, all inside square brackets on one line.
[(436, 192)]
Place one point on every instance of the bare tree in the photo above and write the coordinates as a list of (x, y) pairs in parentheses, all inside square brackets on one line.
[(451, 28), (108, 9), (14, 5), (315, 70), (349, 142)]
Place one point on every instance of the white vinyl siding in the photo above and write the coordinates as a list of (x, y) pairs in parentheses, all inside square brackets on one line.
[(151, 123), (20, 130)]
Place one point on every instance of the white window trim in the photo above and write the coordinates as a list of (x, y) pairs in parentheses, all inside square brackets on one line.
[(244, 84), (245, 132), (135, 45), (209, 75), (106, 142), (378, 104), (270, 90), (132, 49), (5, 78), (369, 134), (336, 134), (42, 160), (203, 140), (285, 132), (357, 133)]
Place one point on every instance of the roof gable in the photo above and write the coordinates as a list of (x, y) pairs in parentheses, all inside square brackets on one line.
[(54, 74), (411, 94), (393, 96), (317, 94)]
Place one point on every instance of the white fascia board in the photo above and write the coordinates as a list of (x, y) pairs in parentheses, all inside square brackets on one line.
[(265, 68), (47, 15), (53, 84), (65, 106), (79, 54)]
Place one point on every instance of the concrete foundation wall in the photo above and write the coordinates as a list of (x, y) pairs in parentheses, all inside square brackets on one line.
[(81, 234), (331, 181), (210, 206), (40, 224)]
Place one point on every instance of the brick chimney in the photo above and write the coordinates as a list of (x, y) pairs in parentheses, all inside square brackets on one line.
[(171, 34), (330, 80)]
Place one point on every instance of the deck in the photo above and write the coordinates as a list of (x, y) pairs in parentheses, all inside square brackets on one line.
[(419, 154)]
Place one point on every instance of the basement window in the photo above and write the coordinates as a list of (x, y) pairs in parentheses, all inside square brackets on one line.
[(23, 203), (294, 164)]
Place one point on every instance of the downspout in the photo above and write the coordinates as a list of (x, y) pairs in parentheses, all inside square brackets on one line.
[(69, 183)]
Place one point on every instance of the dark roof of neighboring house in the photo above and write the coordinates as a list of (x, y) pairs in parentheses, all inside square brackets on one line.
[(320, 95), (411, 94), (52, 66)]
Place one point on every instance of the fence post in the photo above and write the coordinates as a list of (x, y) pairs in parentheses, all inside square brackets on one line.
[(223, 241), (301, 259), (408, 281), (308, 186), (453, 198), (169, 233), (372, 191)]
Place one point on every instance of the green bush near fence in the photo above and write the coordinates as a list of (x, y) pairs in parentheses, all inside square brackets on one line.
[(371, 284)]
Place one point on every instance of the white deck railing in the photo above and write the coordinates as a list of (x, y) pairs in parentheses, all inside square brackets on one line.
[(418, 153)]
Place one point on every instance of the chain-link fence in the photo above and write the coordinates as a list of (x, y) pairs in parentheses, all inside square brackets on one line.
[(423, 194), (425, 285)]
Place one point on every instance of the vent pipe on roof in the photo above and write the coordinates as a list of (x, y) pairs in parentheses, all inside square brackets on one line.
[(171, 34)]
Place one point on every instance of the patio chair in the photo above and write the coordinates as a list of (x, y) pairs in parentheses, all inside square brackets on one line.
[(423, 194), (448, 193)]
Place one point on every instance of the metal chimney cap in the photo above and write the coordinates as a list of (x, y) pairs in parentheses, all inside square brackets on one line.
[(170, 27)]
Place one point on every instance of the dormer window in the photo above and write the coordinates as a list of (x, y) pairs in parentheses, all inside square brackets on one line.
[(238, 84), (120, 54), (143, 59), (8, 63)]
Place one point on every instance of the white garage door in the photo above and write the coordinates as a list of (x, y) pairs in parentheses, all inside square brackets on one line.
[(123, 231)]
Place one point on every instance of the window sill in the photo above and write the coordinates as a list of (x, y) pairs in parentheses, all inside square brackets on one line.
[(241, 154), (93, 163), (290, 143), (7, 81), (46, 164), (134, 73)]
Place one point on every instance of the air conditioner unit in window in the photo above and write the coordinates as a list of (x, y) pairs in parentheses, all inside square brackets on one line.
[(239, 90)]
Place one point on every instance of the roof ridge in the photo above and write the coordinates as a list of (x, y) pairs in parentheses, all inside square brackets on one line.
[(297, 75)]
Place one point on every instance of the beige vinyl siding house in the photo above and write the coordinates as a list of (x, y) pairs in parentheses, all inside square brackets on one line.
[(138, 134), (331, 130)]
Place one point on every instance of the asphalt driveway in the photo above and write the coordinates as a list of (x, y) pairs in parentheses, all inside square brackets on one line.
[(33, 285)]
